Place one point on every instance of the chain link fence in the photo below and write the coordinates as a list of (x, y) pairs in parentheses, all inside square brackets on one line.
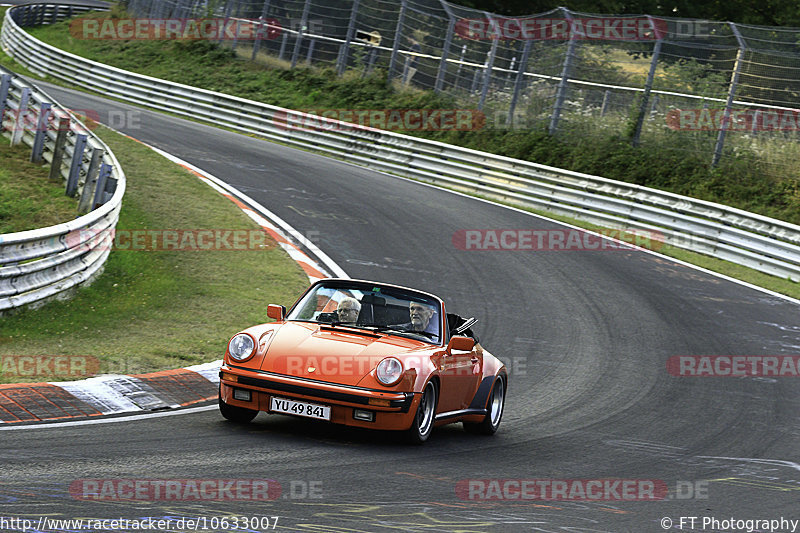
[(715, 88)]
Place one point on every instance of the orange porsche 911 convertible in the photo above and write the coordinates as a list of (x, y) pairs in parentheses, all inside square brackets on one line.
[(365, 354)]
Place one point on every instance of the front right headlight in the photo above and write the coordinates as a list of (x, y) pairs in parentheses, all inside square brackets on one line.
[(389, 371), (241, 347)]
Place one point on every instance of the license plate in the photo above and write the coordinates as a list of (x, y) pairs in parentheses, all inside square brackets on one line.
[(293, 407)]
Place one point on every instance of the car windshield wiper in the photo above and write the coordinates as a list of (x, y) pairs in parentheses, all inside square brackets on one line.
[(378, 328)]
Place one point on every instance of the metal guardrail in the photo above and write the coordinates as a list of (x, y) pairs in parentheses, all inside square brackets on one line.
[(43, 263), (752, 240)]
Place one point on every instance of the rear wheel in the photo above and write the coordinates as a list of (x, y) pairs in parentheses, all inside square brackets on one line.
[(422, 426), (236, 414), (494, 413)]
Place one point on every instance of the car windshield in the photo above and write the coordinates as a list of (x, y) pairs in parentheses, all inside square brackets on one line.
[(376, 307)]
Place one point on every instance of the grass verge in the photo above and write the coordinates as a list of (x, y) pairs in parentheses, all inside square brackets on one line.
[(28, 199), (153, 310)]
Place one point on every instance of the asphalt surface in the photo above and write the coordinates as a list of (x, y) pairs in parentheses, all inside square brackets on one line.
[(586, 336)]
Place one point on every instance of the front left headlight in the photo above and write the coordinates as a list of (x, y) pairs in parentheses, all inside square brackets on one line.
[(389, 371), (241, 347)]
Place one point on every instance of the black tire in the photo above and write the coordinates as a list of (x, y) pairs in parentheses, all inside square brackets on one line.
[(494, 414), (241, 415), (422, 427)]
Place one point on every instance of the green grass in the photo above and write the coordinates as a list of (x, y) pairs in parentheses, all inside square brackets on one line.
[(160, 309), (28, 199)]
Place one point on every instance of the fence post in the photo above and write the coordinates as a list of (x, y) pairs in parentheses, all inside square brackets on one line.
[(257, 44), (300, 33), (460, 64), (523, 64), (283, 44), (5, 85), (487, 76), (75, 166), (648, 86), (310, 52), (41, 133), (604, 105), (227, 16), (21, 118), (397, 34), (344, 50), (731, 95), (100, 187), (561, 92), (448, 39), (237, 16), (91, 181), (58, 150)]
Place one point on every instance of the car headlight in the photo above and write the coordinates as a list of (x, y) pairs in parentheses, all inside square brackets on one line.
[(389, 371), (241, 346)]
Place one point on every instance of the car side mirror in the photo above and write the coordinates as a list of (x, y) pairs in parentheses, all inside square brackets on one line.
[(460, 343), (278, 312)]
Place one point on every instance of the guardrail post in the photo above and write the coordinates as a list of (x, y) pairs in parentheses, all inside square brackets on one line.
[(731, 95), (5, 85), (41, 132), (58, 150), (91, 181), (77, 162), (561, 92), (100, 187), (300, 33), (487, 76), (22, 116), (397, 35), (55, 14), (648, 86), (284, 39), (41, 15), (261, 19), (523, 64), (344, 49)]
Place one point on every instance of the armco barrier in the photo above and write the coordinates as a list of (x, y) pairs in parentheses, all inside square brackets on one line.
[(42, 263), (759, 242)]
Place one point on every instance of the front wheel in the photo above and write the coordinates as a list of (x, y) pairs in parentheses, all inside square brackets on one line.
[(236, 414), (422, 427), (494, 412)]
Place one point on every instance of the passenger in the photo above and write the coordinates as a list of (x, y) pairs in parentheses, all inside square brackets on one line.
[(348, 310)]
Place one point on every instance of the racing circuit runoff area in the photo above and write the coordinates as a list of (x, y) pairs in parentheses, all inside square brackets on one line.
[(597, 436)]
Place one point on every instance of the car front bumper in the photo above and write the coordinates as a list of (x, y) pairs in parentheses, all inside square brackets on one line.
[(392, 410)]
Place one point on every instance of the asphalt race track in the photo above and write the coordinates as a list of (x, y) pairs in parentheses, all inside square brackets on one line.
[(586, 336)]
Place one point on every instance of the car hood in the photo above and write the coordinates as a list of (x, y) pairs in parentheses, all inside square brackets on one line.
[(332, 354)]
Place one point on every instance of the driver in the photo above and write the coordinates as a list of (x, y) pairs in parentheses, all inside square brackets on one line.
[(348, 310), (421, 316)]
